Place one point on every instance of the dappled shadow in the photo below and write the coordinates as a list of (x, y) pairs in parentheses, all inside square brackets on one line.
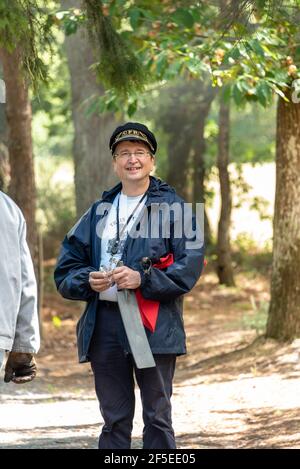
[(199, 440), (62, 437), (75, 442), (268, 428), (45, 400), (51, 437), (261, 357), (240, 429)]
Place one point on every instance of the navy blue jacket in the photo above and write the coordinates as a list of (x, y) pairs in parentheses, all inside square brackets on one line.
[(80, 255)]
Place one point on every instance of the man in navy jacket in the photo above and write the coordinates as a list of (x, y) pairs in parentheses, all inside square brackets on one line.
[(102, 237)]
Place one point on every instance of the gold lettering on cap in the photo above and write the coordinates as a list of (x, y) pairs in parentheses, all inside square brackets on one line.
[(138, 133)]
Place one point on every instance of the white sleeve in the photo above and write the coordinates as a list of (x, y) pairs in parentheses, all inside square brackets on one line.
[(27, 336)]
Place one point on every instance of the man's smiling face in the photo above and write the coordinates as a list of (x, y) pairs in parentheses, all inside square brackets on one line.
[(133, 161)]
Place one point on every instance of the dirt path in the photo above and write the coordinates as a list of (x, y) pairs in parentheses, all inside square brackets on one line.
[(227, 393)]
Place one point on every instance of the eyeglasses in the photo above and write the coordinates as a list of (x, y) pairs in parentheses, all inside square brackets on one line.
[(125, 155)]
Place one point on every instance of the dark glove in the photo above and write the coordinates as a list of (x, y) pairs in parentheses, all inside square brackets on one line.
[(20, 368)]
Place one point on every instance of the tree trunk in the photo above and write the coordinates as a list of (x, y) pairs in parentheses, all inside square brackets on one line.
[(3, 123), (92, 158), (284, 312), (18, 113), (224, 266), (4, 160), (208, 95), (178, 161), (183, 118), (4, 167)]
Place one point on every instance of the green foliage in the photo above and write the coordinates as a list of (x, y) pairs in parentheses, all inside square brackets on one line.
[(183, 17), (117, 66), (71, 20), (252, 137), (250, 46), (258, 319), (27, 25), (252, 134), (261, 205), (56, 211), (52, 121), (245, 243), (251, 258)]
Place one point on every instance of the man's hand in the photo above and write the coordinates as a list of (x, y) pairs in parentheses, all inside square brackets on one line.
[(126, 278), (20, 368), (100, 281)]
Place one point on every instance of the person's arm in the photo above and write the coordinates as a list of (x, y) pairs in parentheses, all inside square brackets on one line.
[(21, 366), (180, 277), (27, 335), (74, 263)]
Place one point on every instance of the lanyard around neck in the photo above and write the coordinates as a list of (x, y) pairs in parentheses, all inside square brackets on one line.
[(114, 248)]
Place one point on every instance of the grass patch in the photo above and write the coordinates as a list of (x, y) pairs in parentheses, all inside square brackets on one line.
[(257, 320)]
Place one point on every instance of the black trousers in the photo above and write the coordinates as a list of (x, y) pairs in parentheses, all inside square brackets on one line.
[(114, 371)]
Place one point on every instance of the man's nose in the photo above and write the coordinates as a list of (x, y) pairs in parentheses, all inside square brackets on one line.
[(132, 155)]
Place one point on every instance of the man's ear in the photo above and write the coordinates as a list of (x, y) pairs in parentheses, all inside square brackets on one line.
[(114, 165), (154, 165)]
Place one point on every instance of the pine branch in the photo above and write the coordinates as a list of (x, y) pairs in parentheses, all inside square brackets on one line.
[(117, 66)]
